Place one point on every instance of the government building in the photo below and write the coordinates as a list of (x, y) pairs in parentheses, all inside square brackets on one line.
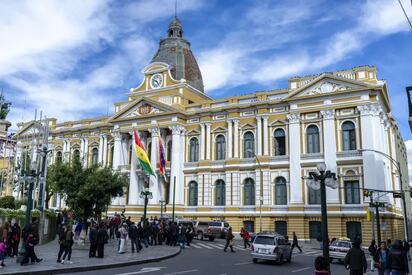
[(244, 159)]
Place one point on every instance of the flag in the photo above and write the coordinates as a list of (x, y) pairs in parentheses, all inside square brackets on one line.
[(142, 156), (162, 161)]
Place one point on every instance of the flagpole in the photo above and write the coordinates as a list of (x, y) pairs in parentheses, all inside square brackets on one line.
[(174, 196)]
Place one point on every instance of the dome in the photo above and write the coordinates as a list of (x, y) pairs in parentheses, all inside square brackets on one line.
[(175, 51)]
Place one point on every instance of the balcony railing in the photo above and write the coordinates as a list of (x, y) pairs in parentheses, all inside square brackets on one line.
[(349, 154)]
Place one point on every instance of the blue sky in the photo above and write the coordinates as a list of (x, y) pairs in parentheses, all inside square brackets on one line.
[(74, 59)]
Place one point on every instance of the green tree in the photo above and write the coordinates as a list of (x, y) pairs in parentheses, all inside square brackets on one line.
[(4, 107), (88, 191)]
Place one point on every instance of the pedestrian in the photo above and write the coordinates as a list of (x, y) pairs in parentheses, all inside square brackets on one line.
[(372, 251), (78, 229), (229, 240), (295, 243), (355, 259), (381, 259), (29, 244), (62, 237), (134, 237), (398, 259), (245, 236), (123, 236), (101, 240), (5, 233), (93, 240), (3, 253), (321, 266), (189, 234), (68, 244), (16, 231), (182, 236), (173, 233)]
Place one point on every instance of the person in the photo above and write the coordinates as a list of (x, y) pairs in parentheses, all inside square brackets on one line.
[(182, 236), (29, 243), (133, 235), (229, 240), (123, 236), (245, 236), (78, 230), (398, 259), (5, 233), (68, 244), (381, 259), (3, 253), (15, 232), (321, 266), (355, 259), (295, 243), (372, 251), (62, 237), (101, 240), (93, 241), (189, 234)]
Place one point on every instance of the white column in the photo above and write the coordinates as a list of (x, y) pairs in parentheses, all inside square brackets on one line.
[(208, 141), (117, 136), (235, 138), (105, 157), (154, 188), (134, 191), (259, 135), (265, 136), (229, 139), (81, 149), (182, 163), (329, 139), (296, 196), (202, 141), (100, 159), (86, 152), (67, 153), (176, 167)]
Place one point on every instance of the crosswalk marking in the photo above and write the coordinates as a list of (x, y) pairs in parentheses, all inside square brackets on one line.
[(216, 246), (205, 246), (196, 246)]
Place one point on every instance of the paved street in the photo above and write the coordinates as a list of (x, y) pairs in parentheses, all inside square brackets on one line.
[(205, 257)]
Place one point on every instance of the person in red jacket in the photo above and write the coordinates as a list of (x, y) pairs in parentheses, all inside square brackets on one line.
[(245, 236)]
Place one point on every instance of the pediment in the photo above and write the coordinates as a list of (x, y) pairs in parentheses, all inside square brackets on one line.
[(141, 108), (193, 133), (278, 122), (219, 129), (247, 126), (328, 84)]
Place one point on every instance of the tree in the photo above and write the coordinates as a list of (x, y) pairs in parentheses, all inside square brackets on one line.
[(88, 191), (58, 174), (4, 107)]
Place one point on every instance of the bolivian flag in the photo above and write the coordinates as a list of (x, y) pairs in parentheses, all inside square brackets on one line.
[(142, 156)]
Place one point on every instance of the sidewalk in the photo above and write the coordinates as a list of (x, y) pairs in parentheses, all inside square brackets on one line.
[(82, 262)]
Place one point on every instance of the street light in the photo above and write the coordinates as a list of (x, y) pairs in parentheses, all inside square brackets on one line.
[(398, 168), (316, 181), (161, 202), (146, 195), (261, 188)]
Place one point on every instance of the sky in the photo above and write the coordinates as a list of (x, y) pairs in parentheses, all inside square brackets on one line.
[(73, 59)]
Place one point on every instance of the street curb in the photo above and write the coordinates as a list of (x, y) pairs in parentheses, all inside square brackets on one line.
[(96, 267)]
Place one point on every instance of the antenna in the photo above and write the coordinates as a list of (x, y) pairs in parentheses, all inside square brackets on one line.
[(175, 8)]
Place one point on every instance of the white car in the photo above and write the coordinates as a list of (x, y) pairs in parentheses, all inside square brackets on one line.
[(338, 249), (271, 247)]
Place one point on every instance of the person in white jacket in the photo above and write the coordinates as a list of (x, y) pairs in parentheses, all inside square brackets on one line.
[(123, 237)]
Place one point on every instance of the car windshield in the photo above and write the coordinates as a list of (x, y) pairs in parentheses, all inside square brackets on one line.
[(215, 224), (342, 244), (226, 224), (264, 240)]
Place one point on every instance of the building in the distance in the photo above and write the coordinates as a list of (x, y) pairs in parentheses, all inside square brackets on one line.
[(210, 147)]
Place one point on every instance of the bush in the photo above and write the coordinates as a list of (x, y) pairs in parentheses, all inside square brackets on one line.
[(19, 203), (7, 202)]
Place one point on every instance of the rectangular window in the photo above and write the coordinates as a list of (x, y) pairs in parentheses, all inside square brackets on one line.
[(352, 192), (281, 227), (314, 230), (314, 196), (249, 226)]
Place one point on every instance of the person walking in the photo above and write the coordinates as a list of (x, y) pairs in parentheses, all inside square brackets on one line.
[(68, 244), (123, 236), (3, 252), (381, 259), (101, 240), (16, 231), (133, 235), (182, 236), (229, 240), (29, 243), (295, 243), (355, 259), (5, 235), (78, 230), (62, 237), (372, 251), (398, 259), (245, 236), (93, 240)]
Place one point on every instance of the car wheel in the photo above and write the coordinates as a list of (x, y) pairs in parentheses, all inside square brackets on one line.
[(211, 238), (281, 259), (200, 236), (290, 258), (255, 260)]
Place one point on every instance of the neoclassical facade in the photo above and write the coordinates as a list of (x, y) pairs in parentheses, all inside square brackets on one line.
[(234, 158)]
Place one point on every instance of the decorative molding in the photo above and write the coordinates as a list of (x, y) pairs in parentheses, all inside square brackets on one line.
[(369, 109), (328, 114), (176, 129), (325, 87), (293, 118), (154, 132)]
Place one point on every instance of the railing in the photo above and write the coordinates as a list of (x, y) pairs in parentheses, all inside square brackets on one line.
[(349, 154)]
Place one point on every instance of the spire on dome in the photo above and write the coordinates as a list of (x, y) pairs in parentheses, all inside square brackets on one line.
[(175, 28)]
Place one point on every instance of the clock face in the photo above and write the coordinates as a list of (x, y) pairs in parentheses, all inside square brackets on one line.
[(156, 81), (326, 87)]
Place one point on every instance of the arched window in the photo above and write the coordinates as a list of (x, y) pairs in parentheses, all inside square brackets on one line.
[(220, 147), (169, 151), (220, 191), (249, 192), (59, 157), (352, 192), (348, 136), (192, 193), (194, 150), (248, 145), (312, 139), (280, 191), (280, 142), (76, 155), (95, 156)]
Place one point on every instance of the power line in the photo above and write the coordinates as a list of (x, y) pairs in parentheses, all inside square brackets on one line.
[(406, 15)]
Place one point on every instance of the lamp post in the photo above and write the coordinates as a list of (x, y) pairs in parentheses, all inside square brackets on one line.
[(398, 168), (146, 195), (261, 188), (319, 180), (162, 202)]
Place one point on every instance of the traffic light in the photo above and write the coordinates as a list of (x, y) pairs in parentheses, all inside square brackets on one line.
[(397, 195), (367, 193), (368, 214)]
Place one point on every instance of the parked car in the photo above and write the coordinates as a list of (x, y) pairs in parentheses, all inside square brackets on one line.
[(203, 231), (185, 222), (271, 247), (339, 248), (219, 228)]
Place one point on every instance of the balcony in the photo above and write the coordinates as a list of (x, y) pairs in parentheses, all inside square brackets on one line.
[(314, 156), (349, 154)]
